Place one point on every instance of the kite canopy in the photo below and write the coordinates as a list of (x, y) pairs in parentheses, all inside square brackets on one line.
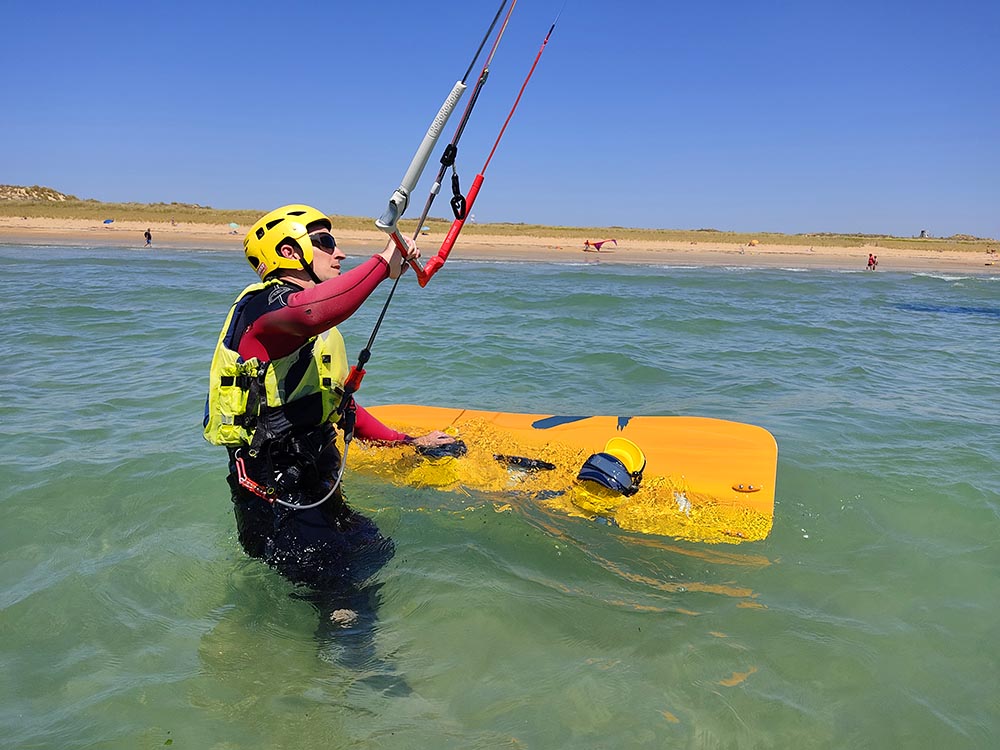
[(109, 221), (233, 225)]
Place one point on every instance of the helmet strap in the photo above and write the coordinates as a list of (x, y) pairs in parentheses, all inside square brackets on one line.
[(309, 270)]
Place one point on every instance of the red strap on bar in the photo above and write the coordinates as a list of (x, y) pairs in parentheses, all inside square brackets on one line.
[(434, 264)]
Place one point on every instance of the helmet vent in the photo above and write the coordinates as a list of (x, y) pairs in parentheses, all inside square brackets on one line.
[(260, 233)]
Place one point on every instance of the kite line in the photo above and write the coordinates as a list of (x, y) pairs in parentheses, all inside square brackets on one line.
[(425, 273), (389, 221), (461, 205)]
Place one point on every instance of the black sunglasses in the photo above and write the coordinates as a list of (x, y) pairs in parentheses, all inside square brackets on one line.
[(324, 240)]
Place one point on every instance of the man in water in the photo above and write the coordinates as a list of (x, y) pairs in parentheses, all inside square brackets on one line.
[(148, 236), (276, 397)]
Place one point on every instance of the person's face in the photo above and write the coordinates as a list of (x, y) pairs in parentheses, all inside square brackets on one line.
[(326, 255)]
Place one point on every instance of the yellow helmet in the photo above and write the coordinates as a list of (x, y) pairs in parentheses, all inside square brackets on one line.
[(628, 453), (282, 226)]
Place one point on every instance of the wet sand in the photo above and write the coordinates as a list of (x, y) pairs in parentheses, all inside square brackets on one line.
[(84, 232)]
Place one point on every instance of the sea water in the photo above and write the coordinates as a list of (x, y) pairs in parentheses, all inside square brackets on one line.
[(869, 618)]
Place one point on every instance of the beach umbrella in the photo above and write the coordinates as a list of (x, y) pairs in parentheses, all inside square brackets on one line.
[(233, 225), (109, 221)]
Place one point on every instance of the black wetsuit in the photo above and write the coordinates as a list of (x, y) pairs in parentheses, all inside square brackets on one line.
[(331, 549), (314, 545)]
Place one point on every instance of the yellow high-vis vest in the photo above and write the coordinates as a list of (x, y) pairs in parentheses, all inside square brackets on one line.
[(251, 402)]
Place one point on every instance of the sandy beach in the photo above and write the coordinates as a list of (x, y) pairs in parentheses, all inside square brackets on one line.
[(84, 232)]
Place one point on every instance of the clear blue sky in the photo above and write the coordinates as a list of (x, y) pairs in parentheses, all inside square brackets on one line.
[(874, 116)]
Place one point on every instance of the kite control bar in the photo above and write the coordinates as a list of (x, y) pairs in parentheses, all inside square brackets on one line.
[(401, 197), (425, 273), (458, 201), (389, 221)]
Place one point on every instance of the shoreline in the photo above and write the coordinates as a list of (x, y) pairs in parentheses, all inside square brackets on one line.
[(188, 236)]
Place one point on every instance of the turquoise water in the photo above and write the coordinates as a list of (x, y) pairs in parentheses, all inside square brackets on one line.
[(869, 618)]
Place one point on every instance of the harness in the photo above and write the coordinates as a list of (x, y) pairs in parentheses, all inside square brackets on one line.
[(277, 417)]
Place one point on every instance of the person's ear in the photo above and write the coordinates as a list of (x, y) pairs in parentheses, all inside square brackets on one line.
[(289, 251)]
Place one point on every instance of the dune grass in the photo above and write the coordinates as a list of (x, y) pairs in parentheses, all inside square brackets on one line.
[(196, 214)]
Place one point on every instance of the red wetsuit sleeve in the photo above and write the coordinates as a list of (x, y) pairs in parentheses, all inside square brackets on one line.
[(366, 427), (309, 312)]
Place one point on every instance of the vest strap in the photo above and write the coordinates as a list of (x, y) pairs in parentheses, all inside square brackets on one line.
[(242, 382)]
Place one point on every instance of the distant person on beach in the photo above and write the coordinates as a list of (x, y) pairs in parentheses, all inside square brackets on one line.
[(871, 262), (874, 262), (275, 401), (149, 238)]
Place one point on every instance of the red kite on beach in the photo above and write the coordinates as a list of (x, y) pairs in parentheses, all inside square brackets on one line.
[(587, 245)]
